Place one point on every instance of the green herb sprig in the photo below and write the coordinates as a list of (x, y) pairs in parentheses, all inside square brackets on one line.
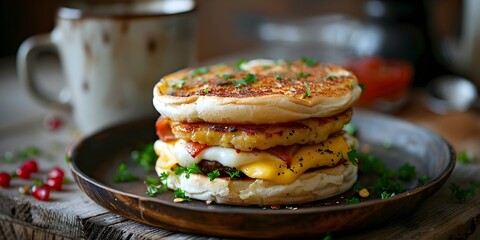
[(193, 168), (124, 175), (179, 193), (199, 71), (156, 185), (213, 174), (233, 174), (145, 157), (310, 62), (239, 64), (464, 157), (385, 195), (353, 200), (250, 78), (21, 154), (461, 194), (227, 76), (307, 91), (424, 180), (350, 128)]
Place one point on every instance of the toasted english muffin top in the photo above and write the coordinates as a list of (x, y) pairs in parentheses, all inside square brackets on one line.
[(263, 90)]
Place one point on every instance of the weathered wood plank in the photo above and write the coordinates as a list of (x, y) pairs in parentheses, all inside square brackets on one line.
[(114, 226), (13, 230)]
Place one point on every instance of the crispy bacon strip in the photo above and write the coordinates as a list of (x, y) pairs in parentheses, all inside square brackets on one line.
[(164, 131), (194, 148), (283, 152)]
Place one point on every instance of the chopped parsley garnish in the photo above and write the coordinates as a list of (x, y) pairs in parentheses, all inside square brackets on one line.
[(66, 181), (163, 176), (37, 182), (302, 75), (179, 193), (353, 157), (387, 144), (227, 76), (309, 61), (424, 180), (193, 168), (234, 174), (145, 157), (464, 157), (67, 157), (353, 200), (406, 172), (152, 190), (357, 187), (124, 175), (8, 156), (350, 128), (155, 185), (385, 195), (250, 78), (239, 64), (461, 194), (371, 164), (279, 76), (199, 71), (206, 90), (178, 84), (331, 77), (386, 183), (29, 152), (213, 174), (307, 91), (328, 237)]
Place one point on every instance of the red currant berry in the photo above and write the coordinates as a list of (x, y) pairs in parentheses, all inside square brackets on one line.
[(4, 179), (23, 173), (55, 183), (53, 123), (41, 193), (56, 172), (30, 165)]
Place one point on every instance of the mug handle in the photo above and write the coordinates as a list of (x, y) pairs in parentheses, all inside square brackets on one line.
[(27, 53)]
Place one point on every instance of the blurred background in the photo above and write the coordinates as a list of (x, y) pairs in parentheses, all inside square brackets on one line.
[(336, 31)]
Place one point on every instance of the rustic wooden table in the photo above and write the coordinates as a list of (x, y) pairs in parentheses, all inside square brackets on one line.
[(70, 214)]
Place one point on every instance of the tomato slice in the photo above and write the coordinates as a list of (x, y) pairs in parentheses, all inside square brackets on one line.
[(194, 148), (164, 131)]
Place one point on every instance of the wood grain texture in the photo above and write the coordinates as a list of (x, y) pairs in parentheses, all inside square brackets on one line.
[(13, 230)]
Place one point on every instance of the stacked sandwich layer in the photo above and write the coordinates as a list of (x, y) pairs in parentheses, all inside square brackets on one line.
[(261, 132)]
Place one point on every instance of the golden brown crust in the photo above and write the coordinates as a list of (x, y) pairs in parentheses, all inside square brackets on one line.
[(288, 91), (295, 79), (247, 137)]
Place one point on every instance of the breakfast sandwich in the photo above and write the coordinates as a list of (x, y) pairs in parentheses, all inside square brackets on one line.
[(260, 132)]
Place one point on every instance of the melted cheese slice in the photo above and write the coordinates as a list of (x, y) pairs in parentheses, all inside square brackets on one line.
[(257, 164)]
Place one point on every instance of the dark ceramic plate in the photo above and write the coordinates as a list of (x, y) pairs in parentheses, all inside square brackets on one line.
[(95, 159)]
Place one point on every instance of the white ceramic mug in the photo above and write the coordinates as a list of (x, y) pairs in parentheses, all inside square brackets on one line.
[(112, 53)]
